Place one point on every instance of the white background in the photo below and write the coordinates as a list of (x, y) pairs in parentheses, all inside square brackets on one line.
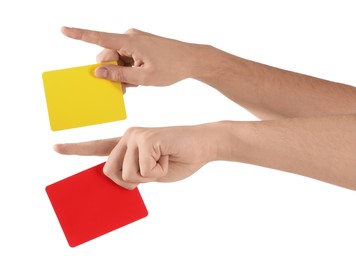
[(224, 211)]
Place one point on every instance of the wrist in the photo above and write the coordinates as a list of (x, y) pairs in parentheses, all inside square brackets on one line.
[(217, 140), (230, 140), (203, 61), (210, 64)]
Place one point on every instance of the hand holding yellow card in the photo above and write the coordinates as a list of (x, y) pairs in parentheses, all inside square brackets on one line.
[(75, 98)]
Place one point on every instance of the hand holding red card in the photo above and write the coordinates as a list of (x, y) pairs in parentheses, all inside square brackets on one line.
[(88, 204)]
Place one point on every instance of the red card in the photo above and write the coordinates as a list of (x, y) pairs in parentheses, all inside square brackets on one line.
[(88, 204)]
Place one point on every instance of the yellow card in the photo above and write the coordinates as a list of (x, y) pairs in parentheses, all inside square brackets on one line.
[(76, 98)]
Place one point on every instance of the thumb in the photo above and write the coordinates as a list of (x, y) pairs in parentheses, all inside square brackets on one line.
[(150, 167), (97, 147), (129, 75)]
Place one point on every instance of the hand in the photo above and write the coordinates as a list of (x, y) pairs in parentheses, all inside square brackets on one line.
[(147, 59), (152, 154)]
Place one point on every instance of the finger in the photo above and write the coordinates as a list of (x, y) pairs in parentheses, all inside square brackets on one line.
[(130, 168), (112, 55), (123, 87), (119, 181), (153, 164), (113, 166), (126, 85), (128, 75), (97, 147), (107, 55), (160, 169), (103, 39)]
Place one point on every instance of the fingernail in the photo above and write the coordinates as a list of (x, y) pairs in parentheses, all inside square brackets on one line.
[(58, 148), (101, 73)]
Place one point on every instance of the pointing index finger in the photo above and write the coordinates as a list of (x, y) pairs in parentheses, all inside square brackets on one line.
[(96, 147), (107, 40)]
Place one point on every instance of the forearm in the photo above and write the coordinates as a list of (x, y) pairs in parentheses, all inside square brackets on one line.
[(268, 92), (321, 148)]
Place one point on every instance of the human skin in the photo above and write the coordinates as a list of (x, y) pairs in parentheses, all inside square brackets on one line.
[(308, 124)]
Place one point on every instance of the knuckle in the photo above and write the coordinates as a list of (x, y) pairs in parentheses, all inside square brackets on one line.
[(145, 137), (106, 170), (130, 177), (145, 172), (127, 177), (99, 57), (132, 131), (132, 31), (130, 186), (124, 52), (100, 38), (116, 75)]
